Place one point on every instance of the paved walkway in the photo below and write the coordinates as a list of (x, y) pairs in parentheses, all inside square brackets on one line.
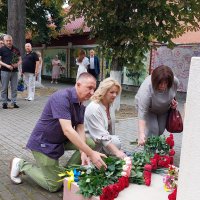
[(16, 126)]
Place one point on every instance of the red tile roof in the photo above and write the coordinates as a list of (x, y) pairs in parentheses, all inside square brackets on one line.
[(188, 38)]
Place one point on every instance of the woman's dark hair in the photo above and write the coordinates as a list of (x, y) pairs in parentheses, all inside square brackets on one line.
[(81, 55), (161, 74)]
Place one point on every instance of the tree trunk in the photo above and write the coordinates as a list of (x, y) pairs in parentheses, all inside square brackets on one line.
[(116, 73), (17, 22)]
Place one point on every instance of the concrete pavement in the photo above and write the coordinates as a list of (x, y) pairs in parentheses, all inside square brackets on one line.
[(16, 126)]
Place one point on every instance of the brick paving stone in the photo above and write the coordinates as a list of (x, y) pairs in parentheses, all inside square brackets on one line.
[(6, 195), (16, 126)]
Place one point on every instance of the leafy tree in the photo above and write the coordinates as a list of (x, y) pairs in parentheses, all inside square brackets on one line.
[(126, 28), (40, 15), (44, 19)]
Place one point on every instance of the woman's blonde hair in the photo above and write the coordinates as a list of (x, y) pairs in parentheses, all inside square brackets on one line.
[(38, 53), (103, 88)]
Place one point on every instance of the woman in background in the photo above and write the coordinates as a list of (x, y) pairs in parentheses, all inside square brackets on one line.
[(153, 101), (82, 61), (38, 82), (56, 64)]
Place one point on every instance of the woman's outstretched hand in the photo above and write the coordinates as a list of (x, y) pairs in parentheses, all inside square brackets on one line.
[(141, 140), (174, 104)]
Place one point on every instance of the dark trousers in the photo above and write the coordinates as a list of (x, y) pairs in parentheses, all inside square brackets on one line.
[(0, 81), (92, 71)]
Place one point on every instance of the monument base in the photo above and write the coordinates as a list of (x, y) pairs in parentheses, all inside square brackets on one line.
[(134, 191), (71, 194)]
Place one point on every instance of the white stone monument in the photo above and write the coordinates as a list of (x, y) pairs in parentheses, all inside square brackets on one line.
[(189, 174)]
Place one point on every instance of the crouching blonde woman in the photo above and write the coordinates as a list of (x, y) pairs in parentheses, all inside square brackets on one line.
[(100, 119)]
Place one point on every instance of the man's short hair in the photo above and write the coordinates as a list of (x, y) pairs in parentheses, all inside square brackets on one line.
[(28, 44), (84, 76), (7, 36)]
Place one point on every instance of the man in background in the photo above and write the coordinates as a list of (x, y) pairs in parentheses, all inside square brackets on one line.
[(10, 60), (30, 67), (1, 45), (94, 67)]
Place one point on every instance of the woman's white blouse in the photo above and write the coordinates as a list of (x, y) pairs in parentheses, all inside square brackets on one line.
[(96, 122)]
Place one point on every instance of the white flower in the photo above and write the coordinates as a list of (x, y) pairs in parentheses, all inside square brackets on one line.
[(127, 158), (128, 162), (125, 168), (124, 174)]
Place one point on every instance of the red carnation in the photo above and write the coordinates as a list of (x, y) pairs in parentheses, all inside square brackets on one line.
[(170, 141), (171, 152), (148, 181), (171, 136), (164, 161), (147, 177), (148, 167), (115, 190), (123, 182), (107, 194), (172, 196), (153, 163), (126, 181), (156, 156)]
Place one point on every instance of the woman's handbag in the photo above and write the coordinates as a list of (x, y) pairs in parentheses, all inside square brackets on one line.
[(174, 121)]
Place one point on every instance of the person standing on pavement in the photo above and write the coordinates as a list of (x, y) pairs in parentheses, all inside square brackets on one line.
[(30, 67), (56, 65), (100, 119), (10, 60), (59, 128), (1, 45), (153, 101), (83, 62), (39, 77), (94, 66)]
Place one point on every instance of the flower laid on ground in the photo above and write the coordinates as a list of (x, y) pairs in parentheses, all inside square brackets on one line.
[(104, 183), (158, 153), (111, 191), (139, 159), (171, 181)]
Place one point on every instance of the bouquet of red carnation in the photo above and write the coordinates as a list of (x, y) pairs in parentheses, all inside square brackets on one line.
[(111, 191), (147, 174)]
